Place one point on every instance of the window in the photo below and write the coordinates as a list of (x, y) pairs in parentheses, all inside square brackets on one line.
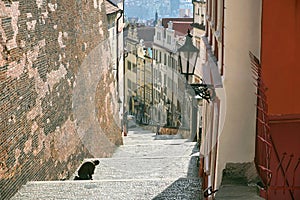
[(210, 9), (160, 76), (206, 28), (169, 39), (216, 14), (160, 57), (169, 82), (129, 84), (216, 52), (134, 69), (158, 36), (165, 59), (129, 65), (210, 36)]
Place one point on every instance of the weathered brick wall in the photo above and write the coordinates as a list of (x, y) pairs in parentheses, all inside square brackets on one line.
[(57, 95)]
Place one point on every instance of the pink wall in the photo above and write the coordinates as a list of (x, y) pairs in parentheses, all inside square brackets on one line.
[(280, 60), (281, 55), (285, 158)]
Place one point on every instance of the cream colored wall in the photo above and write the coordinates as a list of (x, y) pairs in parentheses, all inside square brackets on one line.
[(237, 128), (129, 75)]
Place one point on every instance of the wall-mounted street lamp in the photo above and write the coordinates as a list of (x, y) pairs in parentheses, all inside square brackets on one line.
[(169, 122), (187, 58)]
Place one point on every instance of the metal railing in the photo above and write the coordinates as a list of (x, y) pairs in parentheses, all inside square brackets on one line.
[(263, 139)]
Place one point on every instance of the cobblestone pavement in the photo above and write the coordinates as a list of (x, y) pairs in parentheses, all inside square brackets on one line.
[(145, 167)]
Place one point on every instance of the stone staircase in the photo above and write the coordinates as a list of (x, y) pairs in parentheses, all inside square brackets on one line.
[(145, 167)]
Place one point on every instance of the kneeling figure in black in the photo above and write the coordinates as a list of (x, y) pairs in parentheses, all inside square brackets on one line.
[(86, 170)]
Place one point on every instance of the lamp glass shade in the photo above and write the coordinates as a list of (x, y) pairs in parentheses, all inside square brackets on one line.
[(188, 55)]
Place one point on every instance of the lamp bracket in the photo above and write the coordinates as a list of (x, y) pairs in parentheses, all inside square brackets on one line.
[(205, 91)]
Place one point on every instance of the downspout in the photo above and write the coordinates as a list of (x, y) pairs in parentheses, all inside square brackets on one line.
[(136, 79), (193, 11), (223, 28), (124, 60), (152, 82), (117, 47), (144, 90), (172, 103)]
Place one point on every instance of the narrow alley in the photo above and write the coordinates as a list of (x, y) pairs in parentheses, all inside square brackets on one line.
[(74, 74), (147, 166)]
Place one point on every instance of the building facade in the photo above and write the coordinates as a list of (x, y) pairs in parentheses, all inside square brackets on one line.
[(114, 14), (199, 21), (167, 78), (115, 24), (175, 106), (130, 69), (229, 120), (138, 73), (245, 122)]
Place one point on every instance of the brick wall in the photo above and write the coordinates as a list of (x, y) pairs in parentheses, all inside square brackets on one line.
[(57, 95)]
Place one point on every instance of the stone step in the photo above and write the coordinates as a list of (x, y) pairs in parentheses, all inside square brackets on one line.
[(162, 149), (135, 189), (136, 137), (146, 168)]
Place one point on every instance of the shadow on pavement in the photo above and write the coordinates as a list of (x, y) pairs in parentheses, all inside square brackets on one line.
[(182, 188), (188, 187)]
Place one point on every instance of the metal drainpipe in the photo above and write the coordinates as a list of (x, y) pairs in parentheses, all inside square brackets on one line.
[(117, 48), (223, 29), (152, 83), (124, 81), (172, 103), (136, 76), (144, 90)]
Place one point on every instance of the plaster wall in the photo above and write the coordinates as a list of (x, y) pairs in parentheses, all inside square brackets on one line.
[(242, 34)]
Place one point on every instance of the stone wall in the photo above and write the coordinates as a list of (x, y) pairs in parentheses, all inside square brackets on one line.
[(57, 95)]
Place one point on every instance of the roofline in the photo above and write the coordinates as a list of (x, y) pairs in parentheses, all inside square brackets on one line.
[(112, 3), (119, 9)]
